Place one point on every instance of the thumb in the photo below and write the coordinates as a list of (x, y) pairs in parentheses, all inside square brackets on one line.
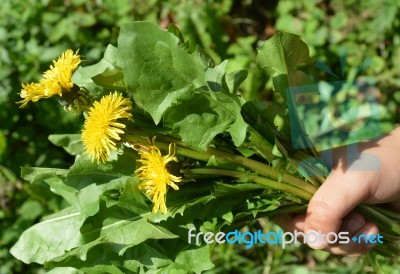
[(340, 193)]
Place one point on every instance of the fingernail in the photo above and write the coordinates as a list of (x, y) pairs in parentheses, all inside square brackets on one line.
[(353, 225), (299, 226), (316, 245), (315, 240), (368, 231)]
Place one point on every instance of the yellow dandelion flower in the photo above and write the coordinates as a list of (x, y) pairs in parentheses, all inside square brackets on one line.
[(50, 88), (62, 69), (31, 92), (155, 174), (56, 80), (102, 127)]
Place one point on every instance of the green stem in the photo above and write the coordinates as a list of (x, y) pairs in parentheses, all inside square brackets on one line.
[(374, 263), (241, 222), (387, 212), (253, 165), (205, 156), (389, 237), (288, 183), (259, 180), (262, 169), (165, 146), (384, 223), (283, 210)]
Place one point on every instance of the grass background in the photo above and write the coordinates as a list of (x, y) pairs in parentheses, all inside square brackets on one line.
[(34, 32)]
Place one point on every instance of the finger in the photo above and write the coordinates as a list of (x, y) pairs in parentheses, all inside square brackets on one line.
[(358, 246), (290, 222), (284, 221), (352, 223), (298, 222), (339, 194)]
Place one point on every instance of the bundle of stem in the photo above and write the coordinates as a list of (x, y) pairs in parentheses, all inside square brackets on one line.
[(263, 174)]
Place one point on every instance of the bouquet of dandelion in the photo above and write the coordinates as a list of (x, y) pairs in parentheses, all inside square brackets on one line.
[(168, 145)]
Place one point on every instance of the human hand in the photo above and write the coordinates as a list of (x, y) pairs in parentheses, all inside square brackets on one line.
[(371, 178)]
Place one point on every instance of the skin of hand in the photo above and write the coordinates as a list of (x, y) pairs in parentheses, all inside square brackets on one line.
[(371, 177)]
